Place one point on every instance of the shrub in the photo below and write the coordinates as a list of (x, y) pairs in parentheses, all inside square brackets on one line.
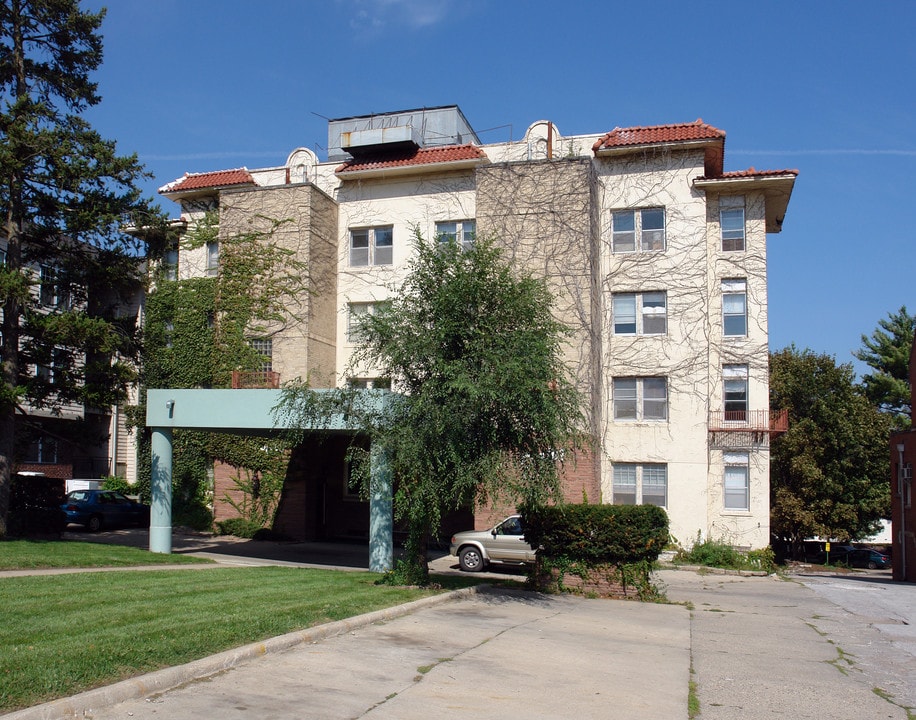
[(609, 548), (34, 507), (720, 554), (118, 484), (239, 527), (593, 534)]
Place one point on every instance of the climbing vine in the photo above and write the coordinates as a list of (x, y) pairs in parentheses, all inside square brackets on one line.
[(199, 330)]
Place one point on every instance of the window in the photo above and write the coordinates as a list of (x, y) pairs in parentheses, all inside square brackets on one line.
[(640, 398), (462, 231), (168, 333), (371, 246), (737, 487), (732, 223), (370, 383), (54, 373), (734, 307), (265, 348), (170, 264), (42, 451), (212, 258), (2, 256), (638, 230), (355, 312), (51, 291), (636, 484), (735, 382), (640, 313)]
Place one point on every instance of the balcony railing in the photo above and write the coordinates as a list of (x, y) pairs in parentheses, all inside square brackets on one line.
[(772, 422), (263, 379)]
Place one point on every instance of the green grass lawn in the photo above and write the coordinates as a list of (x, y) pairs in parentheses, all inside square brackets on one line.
[(40, 554), (62, 634)]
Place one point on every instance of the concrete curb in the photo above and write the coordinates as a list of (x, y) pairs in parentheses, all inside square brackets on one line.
[(715, 570), (82, 705)]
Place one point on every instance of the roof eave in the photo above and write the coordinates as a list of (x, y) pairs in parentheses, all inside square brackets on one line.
[(777, 190), (640, 147), (714, 150), (402, 170), (176, 195)]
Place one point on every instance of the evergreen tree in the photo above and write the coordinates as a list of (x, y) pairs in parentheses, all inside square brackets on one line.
[(66, 197), (887, 352), (829, 473), (484, 407)]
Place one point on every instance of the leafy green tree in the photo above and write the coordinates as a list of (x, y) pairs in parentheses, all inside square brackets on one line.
[(887, 352), (484, 407), (66, 196), (829, 472)]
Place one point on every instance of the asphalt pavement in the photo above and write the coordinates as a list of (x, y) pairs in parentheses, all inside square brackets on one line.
[(742, 647)]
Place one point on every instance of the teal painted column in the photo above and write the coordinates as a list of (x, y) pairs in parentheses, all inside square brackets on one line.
[(160, 518), (381, 519)]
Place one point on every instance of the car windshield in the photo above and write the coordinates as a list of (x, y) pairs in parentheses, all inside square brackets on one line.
[(78, 496)]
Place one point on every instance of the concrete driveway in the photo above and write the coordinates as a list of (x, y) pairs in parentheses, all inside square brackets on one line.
[(739, 647)]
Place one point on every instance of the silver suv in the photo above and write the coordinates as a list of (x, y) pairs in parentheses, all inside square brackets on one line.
[(503, 543)]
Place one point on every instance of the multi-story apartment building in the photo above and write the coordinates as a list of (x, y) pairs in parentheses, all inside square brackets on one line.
[(63, 437), (655, 254)]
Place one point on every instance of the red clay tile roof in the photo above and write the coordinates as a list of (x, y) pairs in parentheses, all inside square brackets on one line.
[(750, 173), (623, 137), (219, 178), (421, 156)]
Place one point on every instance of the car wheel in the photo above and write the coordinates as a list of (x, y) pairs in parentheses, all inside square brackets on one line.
[(872, 565), (470, 560), (94, 523)]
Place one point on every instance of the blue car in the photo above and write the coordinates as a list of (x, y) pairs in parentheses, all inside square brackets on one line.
[(97, 509), (871, 559)]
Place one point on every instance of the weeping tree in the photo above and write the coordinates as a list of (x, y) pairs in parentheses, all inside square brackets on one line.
[(483, 408), (66, 196)]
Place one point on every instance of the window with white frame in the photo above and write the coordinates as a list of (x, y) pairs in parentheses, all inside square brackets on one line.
[(212, 258), (169, 269), (643, 398), (737, 481), (55, 372), (52, 291), (734, 307), (2, 256), (371, 246), (460, 231), (640, 484), (640, 313), (731, 221), (366, 383), (355, 314), (638, 230), (734, 379)]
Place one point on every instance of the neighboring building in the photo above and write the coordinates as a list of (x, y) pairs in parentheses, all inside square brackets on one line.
[(656, 257), (903, 517), (66, 439)]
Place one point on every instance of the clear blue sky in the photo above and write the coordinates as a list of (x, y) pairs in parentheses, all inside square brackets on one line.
[(828, 88)]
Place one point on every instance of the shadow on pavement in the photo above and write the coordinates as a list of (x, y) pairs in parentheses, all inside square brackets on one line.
[(226, 549)]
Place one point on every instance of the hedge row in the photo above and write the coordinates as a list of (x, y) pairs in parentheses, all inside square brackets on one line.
[(598, 534)]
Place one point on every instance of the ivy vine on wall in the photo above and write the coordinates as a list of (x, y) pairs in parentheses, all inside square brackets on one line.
[(197, 331)]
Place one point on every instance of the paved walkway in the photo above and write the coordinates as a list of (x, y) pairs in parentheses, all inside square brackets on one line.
[(754, 647)]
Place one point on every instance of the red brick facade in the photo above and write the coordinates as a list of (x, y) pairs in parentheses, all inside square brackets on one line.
[(903, 515), (581, 481)]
